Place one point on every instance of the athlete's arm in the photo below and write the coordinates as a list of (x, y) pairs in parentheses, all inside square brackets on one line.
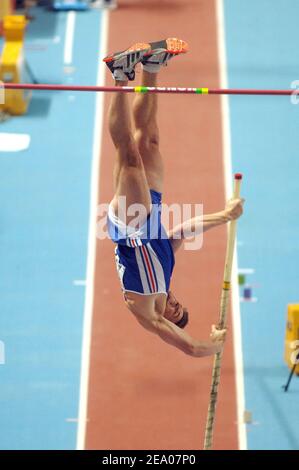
[(196, 225), (172, 334)]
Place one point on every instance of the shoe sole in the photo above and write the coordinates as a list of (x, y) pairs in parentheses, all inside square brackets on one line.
[(171, 45), (139, 47)]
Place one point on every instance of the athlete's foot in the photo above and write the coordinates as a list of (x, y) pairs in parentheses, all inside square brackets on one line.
[(152, 56), (161, 52), (122, 64)]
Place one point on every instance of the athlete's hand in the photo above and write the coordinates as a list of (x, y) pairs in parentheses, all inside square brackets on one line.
[(217, 337), (234, 208)]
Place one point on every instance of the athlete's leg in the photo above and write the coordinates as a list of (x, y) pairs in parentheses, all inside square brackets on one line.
[(132, 170), (147, 133), (129, 175)]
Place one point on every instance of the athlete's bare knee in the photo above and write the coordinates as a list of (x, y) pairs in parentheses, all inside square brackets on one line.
[(129, 155)]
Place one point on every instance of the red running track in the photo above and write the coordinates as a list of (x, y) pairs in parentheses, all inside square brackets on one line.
[(144, 394)]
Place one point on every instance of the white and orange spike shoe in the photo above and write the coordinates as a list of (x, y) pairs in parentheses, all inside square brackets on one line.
[(152, 55), (162, 51), (122, 64)]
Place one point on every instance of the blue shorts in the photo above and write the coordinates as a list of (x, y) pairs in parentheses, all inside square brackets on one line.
[(144, 259)]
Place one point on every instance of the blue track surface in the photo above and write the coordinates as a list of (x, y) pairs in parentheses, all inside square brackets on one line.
[(262, 47), (44, 224)]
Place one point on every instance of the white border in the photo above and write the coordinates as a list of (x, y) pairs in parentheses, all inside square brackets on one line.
[(69, 38), (227, 165), (91, 255)]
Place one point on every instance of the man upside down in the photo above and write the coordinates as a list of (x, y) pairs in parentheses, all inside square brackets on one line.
[(145, 252)]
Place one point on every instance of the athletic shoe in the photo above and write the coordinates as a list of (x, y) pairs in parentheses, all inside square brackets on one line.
[(162, 51), (122, 64)]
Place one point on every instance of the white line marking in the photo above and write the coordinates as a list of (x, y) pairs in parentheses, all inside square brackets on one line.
[(72, 420), (69, 37), (246, 271), (14, 142), (248, 301), (91, 255), (227, 164), (79, 282)]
